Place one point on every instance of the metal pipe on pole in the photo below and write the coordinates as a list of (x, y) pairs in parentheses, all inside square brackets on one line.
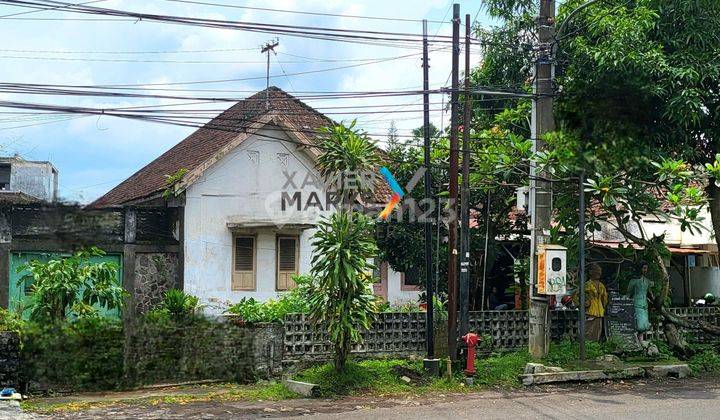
[(540, 193), (431, 364), (453, 188), (465, 195)]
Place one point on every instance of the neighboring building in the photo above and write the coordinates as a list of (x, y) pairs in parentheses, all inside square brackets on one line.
[(27, 180), (249, 201), (694, 264)]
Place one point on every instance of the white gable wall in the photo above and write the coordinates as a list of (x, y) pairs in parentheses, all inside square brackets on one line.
[(245, 187)]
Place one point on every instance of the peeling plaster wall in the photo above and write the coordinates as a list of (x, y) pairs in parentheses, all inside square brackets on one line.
[(37, 179)]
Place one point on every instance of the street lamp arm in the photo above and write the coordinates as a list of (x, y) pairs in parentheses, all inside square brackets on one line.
[(573, 13)]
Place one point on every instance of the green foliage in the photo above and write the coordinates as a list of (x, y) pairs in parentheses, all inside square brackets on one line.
[(177, 306), (342, 296), (368, 376), (171, 181), (501, 369), (10, 321), (275, 310), (85, 354), (72, 286), (347, 153), (705, 361), (566, 353)]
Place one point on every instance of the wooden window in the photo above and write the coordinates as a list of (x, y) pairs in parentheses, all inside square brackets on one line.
[(287, 261), (243, 275)]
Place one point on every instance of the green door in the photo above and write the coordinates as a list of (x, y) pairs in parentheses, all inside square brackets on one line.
[(18, 294)]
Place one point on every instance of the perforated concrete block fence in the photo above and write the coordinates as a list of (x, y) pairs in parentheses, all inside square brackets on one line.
[(392, 334), (710, 315), (403, 334)]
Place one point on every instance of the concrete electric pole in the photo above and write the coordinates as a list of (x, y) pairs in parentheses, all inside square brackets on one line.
[(453, 187), (540, 194)]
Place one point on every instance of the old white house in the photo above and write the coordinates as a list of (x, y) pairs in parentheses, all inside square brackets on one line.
[(250, 198)]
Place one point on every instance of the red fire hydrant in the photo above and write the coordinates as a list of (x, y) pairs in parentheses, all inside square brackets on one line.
[(471, 339)]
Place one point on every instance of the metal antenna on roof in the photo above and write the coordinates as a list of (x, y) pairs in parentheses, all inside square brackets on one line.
[(269, 46)]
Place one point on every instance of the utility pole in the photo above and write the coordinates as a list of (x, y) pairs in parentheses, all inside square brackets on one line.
[(540, 194), (581, 266), (465, 196), (431, 364), (266, 49), (452, 230)]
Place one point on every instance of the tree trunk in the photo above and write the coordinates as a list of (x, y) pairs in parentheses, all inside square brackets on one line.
[(675, 340)]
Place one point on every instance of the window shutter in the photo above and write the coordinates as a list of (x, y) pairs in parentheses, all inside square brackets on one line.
[(244, 264), (287, 250)]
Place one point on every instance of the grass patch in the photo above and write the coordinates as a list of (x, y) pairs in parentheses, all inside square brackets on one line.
[(368, 377), (272, 391), (501, 370), (381, 377), (705, 361), (375, 376)]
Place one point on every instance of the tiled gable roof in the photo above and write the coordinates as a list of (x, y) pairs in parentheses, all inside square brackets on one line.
[(204, 143)]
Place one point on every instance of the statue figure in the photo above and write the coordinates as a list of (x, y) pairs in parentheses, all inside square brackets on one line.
[(638, 291), (596, 300)]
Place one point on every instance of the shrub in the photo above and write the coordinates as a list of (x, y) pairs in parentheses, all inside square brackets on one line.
[(10, 321), (177, 306), (367, 375), (706, 360), (274, 310), (72, 286), (85, 354)]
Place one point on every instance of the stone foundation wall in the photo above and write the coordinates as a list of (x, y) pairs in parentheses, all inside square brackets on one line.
[(203, 349), (155, 272), (9, 359)]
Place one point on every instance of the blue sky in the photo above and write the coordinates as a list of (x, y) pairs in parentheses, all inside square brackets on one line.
[(94, 154)]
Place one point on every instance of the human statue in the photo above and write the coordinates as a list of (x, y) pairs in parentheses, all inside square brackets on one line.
[(638, 291), (596, 300)]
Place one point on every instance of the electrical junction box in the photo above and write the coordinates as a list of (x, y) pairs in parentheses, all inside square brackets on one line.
[(522, 195), (552, 270)]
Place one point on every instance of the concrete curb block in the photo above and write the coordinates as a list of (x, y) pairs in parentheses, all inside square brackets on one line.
[(303, 388), (676, 371)]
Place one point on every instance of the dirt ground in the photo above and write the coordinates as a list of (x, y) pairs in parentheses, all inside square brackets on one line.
[(702, 397)]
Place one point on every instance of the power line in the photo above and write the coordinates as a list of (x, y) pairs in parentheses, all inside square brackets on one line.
[(336, 34), (126, 51), (265, 9), (43, 9)]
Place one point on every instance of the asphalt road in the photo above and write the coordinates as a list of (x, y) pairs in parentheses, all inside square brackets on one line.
[(667, 399), (677, 401)]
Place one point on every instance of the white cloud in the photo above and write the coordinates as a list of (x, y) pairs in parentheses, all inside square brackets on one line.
[(92, 151)]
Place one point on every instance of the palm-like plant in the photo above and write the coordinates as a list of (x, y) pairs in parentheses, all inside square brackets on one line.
[(348, 155), (343, 297), (344, 244)]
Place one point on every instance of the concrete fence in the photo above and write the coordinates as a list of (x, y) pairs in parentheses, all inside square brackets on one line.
[(146, 353)]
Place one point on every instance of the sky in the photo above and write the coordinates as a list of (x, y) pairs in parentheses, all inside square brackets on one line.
[(93, 154)]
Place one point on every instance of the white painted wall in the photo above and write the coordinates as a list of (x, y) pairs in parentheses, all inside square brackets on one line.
[(38, 179), (246, 186), (674, 235), (396, 295)]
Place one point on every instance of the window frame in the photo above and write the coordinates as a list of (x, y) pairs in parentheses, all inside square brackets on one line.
[(278, 238), (233, 272)]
